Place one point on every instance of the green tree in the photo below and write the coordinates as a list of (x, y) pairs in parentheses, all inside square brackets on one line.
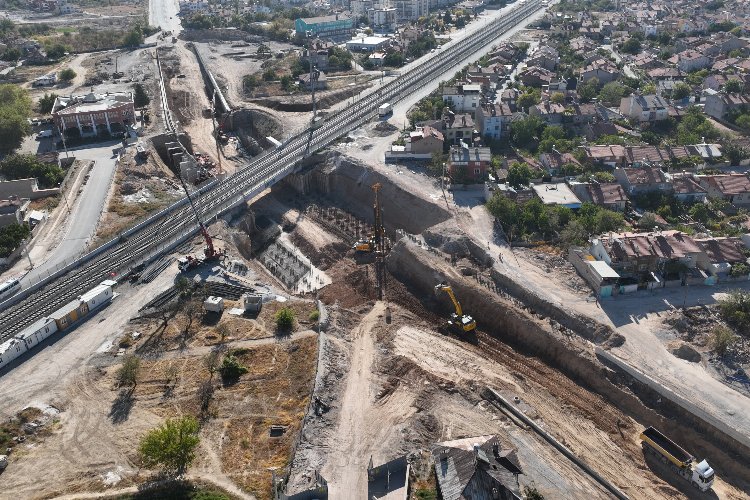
[(11, 236), (734, 86), (588, 90), (15, 110), (286, 83), (394, 60), (735, 309), (743, 121), (46, 102), (23, 166), (11, 54), (574, 234), (528, 99), (171, 446), (525, 132), (134, 37), (231, 368), (607, 220), (127, 374), (694, 126), (558, 98), (681, 91), (140, 98), (67, 75), (611, 93), (250, 82), (269, 75), (519, 174), (631, 46), (284, 319), (56, 51)]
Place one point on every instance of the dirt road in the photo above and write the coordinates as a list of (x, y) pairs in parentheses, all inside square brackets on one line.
[(347, 468)]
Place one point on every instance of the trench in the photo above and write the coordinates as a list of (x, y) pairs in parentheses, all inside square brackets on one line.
[(528, 333)]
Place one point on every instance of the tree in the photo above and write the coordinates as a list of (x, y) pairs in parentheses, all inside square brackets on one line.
[(734, 86), (67, 75), (140, 98), (15, 110), (528, 99), (286, 82), (56, 51), (11, 54), (23, 166), (269, 75), (558, 98), (681, 91), (735, 309), (134, 37), (631, 46), (574, 234), (519, 174), (127, 374), (607, 220), (231, 368), (743, 121), (171, 446), (46, 102), (611, 93), (588, 90), (394, 60), (524, 132), (284, 319), (11, 236)]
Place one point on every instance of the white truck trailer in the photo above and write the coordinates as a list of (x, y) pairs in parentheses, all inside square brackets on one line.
[(385, 109)]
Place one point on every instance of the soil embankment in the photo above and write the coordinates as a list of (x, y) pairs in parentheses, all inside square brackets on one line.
[(348, 183)]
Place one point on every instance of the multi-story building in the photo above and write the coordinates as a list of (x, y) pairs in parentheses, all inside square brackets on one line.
[(382, 18), (734, 188), (718, 105), (468, 163), (463, 97), (93, 114), (493, 120), (334, 26), (410, 10), (644, 108)]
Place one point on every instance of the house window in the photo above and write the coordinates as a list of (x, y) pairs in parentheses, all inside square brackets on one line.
[(642, 267), (477, 171)]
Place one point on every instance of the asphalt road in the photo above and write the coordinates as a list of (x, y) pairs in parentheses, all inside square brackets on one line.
[(84, 211), (163, 13)]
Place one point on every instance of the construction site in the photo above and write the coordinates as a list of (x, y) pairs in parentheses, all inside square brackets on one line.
[(413, 325), (415, 340)]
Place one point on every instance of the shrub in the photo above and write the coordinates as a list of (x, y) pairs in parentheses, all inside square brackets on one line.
[(314, 316), (735, 309), (67, 74), (231, 368), (284, 318), (721, 339), (127, 374), (171, 446)]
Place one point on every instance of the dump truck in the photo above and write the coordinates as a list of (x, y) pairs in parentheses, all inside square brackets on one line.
[(385, 109), (680, 461), (458, 322)]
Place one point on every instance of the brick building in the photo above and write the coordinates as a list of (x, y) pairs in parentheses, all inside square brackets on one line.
[(93, 114)]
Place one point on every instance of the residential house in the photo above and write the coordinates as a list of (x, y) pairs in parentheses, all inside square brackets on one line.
[(644, 108), (493, 120), (734, 188), (610, 155), (651, 155), (535, 76), (602, 69), (608, 195), (687, 190), (557, 194), (648, 257), (580, 114), (476, 467), (554, 162), (463, 97), (467, 163), (690, 60), (319, 80), (719, 105), (550, 112), (486, 77), (721, 254), (458, 127), (510, 97), (425, 140), (371, 43), (643, 180), (544, 57)]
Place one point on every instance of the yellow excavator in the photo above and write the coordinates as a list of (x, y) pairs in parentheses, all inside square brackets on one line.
[(458, 322)]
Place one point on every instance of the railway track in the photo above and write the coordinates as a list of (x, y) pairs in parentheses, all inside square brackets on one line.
[(176, 224)]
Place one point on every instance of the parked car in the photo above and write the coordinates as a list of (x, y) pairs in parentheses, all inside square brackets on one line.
[(3, 462), (43, 134)]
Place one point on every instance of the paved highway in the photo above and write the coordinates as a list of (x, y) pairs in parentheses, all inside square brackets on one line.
[(166, 229)]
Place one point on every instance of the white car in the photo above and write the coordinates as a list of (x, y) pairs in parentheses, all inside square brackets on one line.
[(3, 462), (43, 134)]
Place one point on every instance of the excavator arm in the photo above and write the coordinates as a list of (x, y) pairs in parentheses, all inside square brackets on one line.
[(447, 289)]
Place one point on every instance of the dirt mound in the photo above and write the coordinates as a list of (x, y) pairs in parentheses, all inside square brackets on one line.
[(384, 128), (451, 239), (686, 352)]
